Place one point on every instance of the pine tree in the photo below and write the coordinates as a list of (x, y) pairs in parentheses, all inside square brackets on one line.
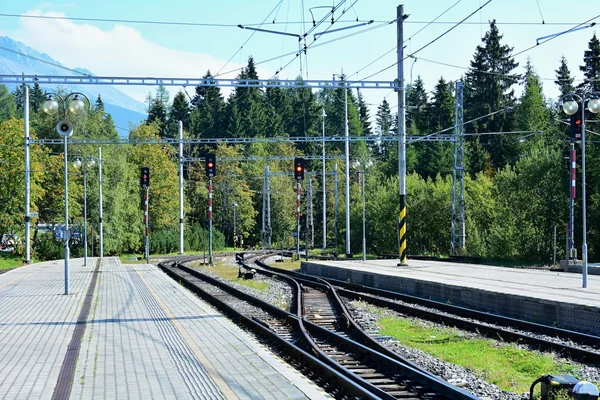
[(488, 89), (363, 114), (36, 97), (416, 101), (180, 111), (591, 66), (99, 104), (207, 118), (158, 108), (564, 80), (249, 100), (383, 125)]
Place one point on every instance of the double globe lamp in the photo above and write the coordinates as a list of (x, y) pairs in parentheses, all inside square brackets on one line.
[(570, 107)]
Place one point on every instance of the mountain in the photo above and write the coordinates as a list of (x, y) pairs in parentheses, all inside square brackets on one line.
[(124, 109)]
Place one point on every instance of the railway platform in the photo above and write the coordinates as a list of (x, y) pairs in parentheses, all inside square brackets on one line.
[(127, 331), (541, 296)]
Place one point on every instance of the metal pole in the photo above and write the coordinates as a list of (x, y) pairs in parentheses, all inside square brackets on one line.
[(269, 230), (27, 180), (307, 228), (146, 218), (335, 183), (234, 224), (401, 133), (571, 240), (297, 220), (364, 237), (324, 193), (347, 154), (567, 248), (66, 231), (584, 247), (554, 263), (264, 209), (181, 249), (100, 201), (85, 243), (210, 222)]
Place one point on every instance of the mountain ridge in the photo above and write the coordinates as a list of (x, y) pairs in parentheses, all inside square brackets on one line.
[(126, 109)]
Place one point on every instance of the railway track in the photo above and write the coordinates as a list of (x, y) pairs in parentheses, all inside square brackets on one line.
[(575, 345), (344, 367)]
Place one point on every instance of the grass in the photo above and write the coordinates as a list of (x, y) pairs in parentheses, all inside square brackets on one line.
[(10, 260), (286, 264), (230, 272), (505, 365)]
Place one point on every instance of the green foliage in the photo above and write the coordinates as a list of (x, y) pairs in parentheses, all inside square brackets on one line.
[(166, 241), (516, 191)]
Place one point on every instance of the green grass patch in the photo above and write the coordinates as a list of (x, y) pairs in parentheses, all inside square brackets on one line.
[(286, 264), (10, 260), (230, 273), (505, 365)]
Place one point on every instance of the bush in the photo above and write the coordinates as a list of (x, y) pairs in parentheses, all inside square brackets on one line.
[(166, 241)]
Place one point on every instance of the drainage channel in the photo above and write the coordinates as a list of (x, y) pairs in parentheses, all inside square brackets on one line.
[(62, 390)]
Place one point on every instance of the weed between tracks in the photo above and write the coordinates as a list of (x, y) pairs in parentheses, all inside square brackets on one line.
[(511, 368), (230, 272)]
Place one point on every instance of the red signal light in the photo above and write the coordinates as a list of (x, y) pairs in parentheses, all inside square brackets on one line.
[(578, 121), (210, 165)]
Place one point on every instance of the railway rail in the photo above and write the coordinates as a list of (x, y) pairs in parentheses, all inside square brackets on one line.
[(575, 345), (344, 367)]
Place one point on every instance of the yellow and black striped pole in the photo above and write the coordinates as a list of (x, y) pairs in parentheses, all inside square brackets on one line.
[(402, 229), (401, 135)]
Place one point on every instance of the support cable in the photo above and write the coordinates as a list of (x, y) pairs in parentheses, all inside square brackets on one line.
[(251, 35), (431, 42)]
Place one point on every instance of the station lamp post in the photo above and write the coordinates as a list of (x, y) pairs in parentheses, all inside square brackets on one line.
[(86, 162), (570, 107), (74, 104), (362, 165)]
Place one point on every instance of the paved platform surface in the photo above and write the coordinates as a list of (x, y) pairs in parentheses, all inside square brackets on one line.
[(146, 337), (555, 286)]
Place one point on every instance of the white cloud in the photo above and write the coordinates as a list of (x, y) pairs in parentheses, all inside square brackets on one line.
[(120, 51)]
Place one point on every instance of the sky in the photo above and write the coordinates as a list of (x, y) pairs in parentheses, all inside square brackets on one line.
[(188, 51)]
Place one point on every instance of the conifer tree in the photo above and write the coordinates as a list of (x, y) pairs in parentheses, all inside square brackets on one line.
[(180, 111), (158, 108), (363, 114), (36, 97), (564, 80), (207, 118), (591, 66), (488, 88), (99, 104), (416, 114)]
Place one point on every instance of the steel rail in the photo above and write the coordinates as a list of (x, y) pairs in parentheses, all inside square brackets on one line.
[(308, 361), (383, 298)]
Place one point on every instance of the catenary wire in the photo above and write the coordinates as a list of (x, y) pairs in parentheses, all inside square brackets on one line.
[(430, 43), (206, 24), (386, 23), (250, 37), (558, 35), (415, 34)]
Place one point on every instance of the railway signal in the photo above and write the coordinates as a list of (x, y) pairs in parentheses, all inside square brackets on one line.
[(575, 130), (144, 177), (299, 169), (211, 165)]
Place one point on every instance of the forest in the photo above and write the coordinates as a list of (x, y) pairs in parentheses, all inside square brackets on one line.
[(517, 168)]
